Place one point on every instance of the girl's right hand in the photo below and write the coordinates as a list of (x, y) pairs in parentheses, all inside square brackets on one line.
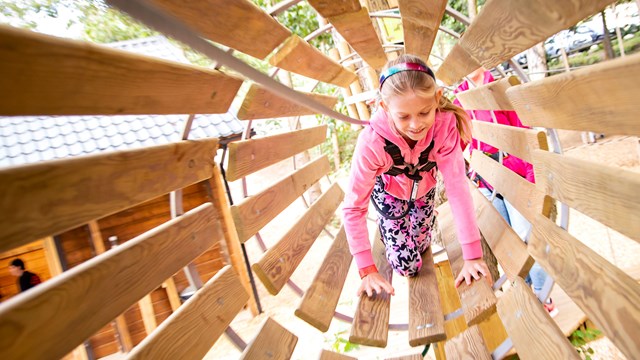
[(375, 282)]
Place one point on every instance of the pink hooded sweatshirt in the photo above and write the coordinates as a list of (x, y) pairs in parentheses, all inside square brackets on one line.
[(370, 160), (510, 118)]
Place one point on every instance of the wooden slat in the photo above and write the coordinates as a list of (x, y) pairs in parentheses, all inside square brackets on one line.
[(532, 330), (249, 156), (516, 141), (468, 345), (416, 356), (523, 195), (51, 197), (420, 23), (53, 76), (319, 302), (450, 303), (329, 8), (235, 23), (601, 98), (505, 244), (330, 355), (281, 260), (371, 320), (190, 332), (259, 103), (426, 319), (505, 28), (478, 300), (101, 288), (608, 194), (607, 294), (491, 96), (296, 55), (456, 65), (273, 342), (357, 29), (254, 212)]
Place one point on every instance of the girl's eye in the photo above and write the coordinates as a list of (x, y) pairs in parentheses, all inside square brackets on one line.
[(425, 113), (403, 117)]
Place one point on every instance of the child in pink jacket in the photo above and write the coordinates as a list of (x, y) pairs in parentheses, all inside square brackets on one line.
[(415, 132)]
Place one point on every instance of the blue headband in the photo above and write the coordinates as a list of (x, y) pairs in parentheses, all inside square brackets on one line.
[(404, 67)]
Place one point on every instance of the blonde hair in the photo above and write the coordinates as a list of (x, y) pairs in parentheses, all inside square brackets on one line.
[(423, 85)]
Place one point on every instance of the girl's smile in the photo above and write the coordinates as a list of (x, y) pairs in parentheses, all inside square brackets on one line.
[(412, 114)]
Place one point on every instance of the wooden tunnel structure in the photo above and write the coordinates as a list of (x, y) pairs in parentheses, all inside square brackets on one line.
[(52, 76)]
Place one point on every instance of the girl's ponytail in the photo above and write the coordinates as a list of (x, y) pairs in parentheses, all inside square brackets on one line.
[(462, 119)]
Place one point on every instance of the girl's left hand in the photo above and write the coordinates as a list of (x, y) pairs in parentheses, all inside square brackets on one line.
[(473, 268)]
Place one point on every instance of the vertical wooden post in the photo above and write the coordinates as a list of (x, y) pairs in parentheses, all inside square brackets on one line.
[(565, 59), (120, 324), (220, 201), (52, 256), (363, 110), (346, 92), (148, 315)]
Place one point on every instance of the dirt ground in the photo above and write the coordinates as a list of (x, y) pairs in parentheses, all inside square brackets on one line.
[(611, 151)]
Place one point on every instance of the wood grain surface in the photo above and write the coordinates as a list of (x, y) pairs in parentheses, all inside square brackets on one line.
[(256, 211), (239, 24), (84, 299), (534, 333), (608, 194), (298, 56), (190, 332), (53, 76), (260, 103), (320, 300), (601, 98), (249, 156), (273, 342), (608, 295), (51, 197), (282, 259), (371, 320)]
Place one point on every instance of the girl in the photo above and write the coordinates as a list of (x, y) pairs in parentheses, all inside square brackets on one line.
[(415, 131)]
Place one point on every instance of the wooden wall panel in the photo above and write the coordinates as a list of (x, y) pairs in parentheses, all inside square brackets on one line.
[(249, 156), (260, 103), (298, 56), (601, 98), (49, 75), (608, 194), (420, 24), (239, 24), (125, 274), (505, 28), (50, 197)]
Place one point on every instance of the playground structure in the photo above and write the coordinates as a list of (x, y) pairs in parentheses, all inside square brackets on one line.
[(61, 77)]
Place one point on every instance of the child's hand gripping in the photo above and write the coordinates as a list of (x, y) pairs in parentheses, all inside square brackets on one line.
[(375, 282), (473, 268)]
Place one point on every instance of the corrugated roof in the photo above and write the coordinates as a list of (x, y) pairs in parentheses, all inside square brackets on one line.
[(28, 139)]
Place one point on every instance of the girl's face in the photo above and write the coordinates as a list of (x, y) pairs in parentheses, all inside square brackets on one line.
[(412, 114)]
